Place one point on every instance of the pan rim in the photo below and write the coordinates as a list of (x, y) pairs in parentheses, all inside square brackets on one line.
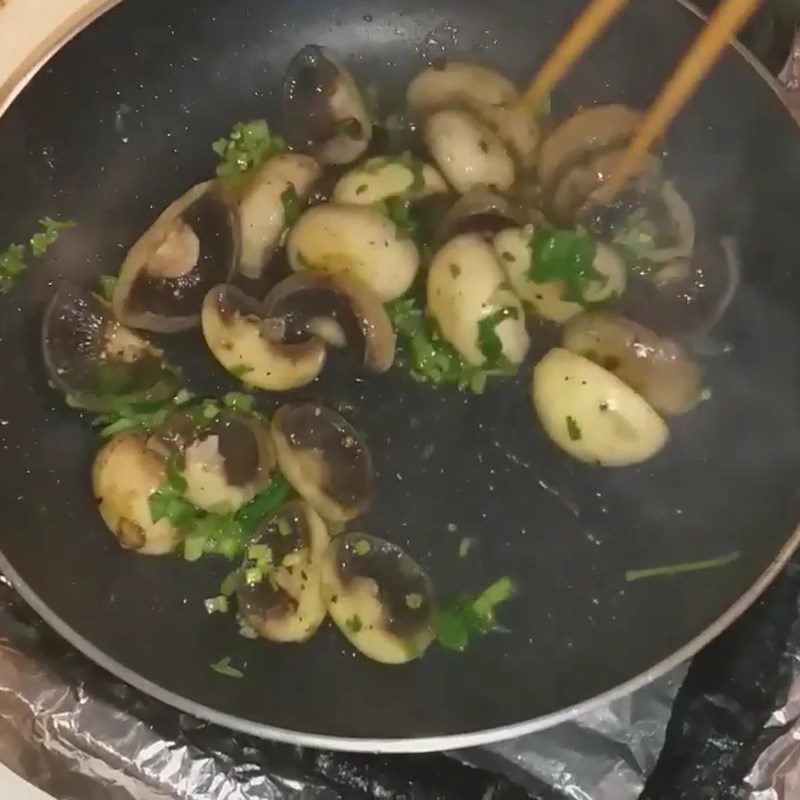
[(9, 91)]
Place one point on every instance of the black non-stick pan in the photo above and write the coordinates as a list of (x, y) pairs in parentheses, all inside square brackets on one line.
[(120, 122)]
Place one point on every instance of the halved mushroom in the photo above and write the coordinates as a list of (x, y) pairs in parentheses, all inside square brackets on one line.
[(685, 297), (284, 603), (576, 157), (484, 92), (97, 362), (325, 459), (337, 308), (247, 346), (358, 241), (593, 415), (467, 151), (546, 298), (475, 309), (658, 369), (323, 107), (280, 186), (379, 598), (382, 177), (192, 246), (126, 472), (226, 460), (478, 211)]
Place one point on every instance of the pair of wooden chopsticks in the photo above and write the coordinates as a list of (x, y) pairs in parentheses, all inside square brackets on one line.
[(726, 21)]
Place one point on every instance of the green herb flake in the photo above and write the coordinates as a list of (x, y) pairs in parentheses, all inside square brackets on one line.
[(464, 546), (414, 601), (237, 401), (248, 146), (291, 206), (354, 624), (675, 569), (240, 371), (361, 547), (565, 256), (506, 256), (463, 618), (42, 241), (107, 285), (216, 605), (223, 667), (361, 188), (573, 429), (12, 264), (489, 343), (398, 211), (455, 270)]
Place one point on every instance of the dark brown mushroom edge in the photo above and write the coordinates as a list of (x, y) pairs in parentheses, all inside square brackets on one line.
[(279, 585), (97, 362), (191, 247), (325, 459), (379, 598)]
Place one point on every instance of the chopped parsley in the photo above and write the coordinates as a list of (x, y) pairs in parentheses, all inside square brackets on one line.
[(224, 667), (397, 210), (42, 241), (414, 601), (464, 546), (428, 356), (489, 342), (573, 429), (675, 569), (107, 285), (13, 259), (144, 417), (237, 401), (565, 256), (465, 618), (291, 206), (216, 605), (248, 146), (354, 624)]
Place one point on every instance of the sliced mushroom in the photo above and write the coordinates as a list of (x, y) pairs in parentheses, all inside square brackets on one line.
[(226, 460), (124, 476), (284, 182), (593, 415), (383, 177), (323, 107), (658, 369), (546, 298), (97, 362), (192, 246), (285, 604), (325, 459), (467, 152), (478, 211), (379, 598), (577, 156), (337, 308), (236, 333), (358, 241), (472, 304), (484, 92), (685, 297)]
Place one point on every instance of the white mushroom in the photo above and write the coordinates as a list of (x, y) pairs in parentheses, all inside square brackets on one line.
[(467, 151), (513, 248), (383, 177), (592, 414), (284, 182), (124, 476), (356, 240), (471, 303), (234, 330)]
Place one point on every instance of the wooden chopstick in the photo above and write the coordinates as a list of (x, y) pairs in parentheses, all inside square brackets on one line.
[(594, 19), (725, 23)]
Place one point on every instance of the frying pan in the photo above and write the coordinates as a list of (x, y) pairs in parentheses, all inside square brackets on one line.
[(449, 464)]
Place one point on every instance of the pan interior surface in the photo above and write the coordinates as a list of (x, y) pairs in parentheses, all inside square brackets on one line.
[(120, 123)]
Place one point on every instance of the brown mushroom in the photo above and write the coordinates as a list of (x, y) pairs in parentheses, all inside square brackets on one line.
[(325, 459)]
